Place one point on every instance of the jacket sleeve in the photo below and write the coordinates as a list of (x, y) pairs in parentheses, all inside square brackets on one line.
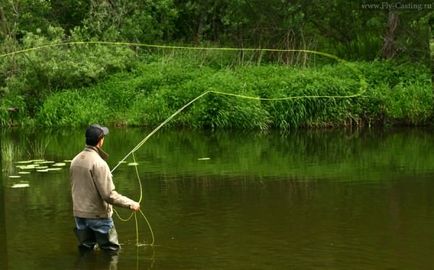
[(102, 178)]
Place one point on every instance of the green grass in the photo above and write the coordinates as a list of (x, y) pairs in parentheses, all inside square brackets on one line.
[(156, 88)]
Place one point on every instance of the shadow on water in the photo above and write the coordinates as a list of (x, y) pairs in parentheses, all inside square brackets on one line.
[(96, 260), (125, 259)]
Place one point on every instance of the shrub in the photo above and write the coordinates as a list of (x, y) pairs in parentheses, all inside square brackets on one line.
[(154, 91)]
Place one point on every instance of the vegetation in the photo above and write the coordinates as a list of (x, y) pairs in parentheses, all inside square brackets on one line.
[(130, 85), (155, 90)]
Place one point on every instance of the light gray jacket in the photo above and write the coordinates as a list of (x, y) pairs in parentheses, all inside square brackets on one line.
[(92, 188)]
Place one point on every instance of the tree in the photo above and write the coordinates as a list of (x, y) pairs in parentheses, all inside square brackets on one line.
[(18, 17), (389, 45)]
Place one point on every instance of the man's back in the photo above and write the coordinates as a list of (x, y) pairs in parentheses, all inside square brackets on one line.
[(89, 176)]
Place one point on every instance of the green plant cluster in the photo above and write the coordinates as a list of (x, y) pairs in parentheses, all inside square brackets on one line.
[(353, 31), (154, 90), (27, 79)]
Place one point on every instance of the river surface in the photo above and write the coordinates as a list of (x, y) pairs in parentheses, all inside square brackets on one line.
[(231, 200)]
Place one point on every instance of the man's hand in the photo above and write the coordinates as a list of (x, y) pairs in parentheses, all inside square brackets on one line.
[(135, 206)]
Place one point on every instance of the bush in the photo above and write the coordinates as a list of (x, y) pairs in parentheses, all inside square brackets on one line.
[(37, 74), (154, 91)]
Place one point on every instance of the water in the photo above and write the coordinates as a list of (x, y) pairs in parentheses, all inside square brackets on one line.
[(233, 200)]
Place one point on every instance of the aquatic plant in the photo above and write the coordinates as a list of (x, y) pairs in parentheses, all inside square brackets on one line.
[(37, 148), (8, 153)]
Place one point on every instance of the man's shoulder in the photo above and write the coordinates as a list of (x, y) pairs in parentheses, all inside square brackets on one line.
[(101, 162), (86, 156)]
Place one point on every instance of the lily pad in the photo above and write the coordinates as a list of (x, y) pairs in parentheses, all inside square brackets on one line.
[(14, 176), (24, 172), (20, 185), (38, 160), (24, 162), (28, 167), (54, 169), (203, 158), (133, 164), (59, 164), (46, 162)]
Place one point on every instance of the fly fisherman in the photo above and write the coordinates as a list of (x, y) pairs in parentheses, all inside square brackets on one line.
[(93, 194)]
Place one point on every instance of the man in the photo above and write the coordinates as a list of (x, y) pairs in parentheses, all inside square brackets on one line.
[(93, 194)]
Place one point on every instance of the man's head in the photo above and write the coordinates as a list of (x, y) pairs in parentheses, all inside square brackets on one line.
[(95, 133)]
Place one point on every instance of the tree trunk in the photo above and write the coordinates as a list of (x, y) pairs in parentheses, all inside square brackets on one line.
[(200, 27), (389, 46), (4, 29), (431, 45), (431, 50)]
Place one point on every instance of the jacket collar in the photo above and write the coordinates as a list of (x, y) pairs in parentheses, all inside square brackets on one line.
[(100, 152)]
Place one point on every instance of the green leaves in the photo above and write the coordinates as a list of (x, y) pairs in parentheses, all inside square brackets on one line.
[(38, 73), (157, 89)]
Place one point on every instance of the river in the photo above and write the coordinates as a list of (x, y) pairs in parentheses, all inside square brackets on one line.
[(317, 199)]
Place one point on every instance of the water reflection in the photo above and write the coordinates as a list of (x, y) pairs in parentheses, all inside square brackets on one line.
[(96, 260), (279, 224), (365, 154), (234, 200), (3, 240)]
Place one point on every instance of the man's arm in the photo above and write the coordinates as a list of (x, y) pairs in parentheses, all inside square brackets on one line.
[(104, 183)]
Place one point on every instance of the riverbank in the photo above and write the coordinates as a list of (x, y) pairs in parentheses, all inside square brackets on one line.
[(382, 93)]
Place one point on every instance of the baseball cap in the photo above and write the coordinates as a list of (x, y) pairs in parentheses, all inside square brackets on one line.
[(94, 133)]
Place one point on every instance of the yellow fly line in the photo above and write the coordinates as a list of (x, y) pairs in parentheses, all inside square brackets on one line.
[(157, 46), (362, 89)]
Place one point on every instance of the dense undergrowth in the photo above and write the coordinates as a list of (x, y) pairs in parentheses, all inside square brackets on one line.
[(122, 86), (54, 70), (153, 90)]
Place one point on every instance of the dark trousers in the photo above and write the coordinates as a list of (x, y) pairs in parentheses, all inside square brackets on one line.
[(91, 231)]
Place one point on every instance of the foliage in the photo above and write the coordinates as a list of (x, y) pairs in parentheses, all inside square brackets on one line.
[(155, 90), (28, 78), (353, 30), (135, 21)]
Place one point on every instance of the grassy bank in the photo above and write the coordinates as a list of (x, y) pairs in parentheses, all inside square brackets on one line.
[(153, 90)]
